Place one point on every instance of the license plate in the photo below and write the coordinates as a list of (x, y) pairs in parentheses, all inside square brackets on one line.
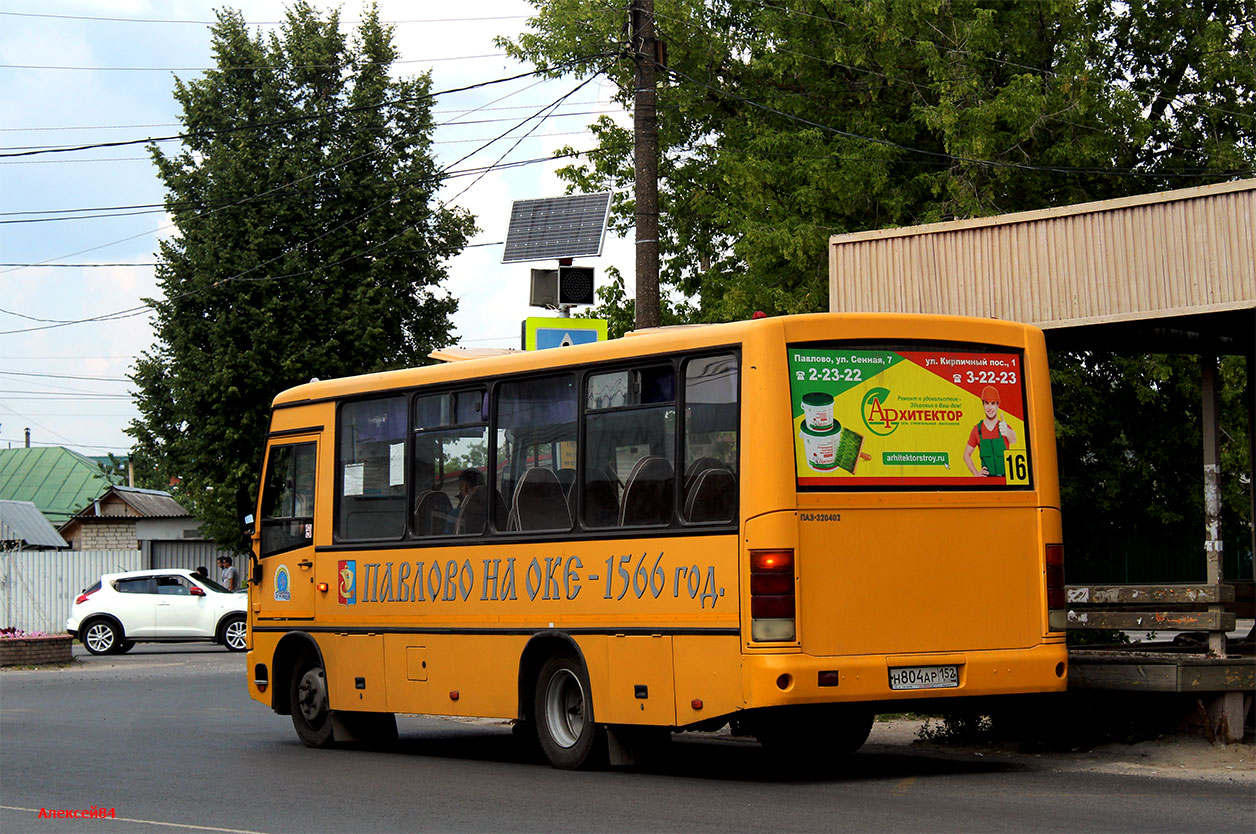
[(924, 677)]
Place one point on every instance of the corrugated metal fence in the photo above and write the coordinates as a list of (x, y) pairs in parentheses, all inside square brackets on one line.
[(187, 554), (38, 587)]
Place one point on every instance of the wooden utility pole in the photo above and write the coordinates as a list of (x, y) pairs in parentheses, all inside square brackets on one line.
[(646, 160)]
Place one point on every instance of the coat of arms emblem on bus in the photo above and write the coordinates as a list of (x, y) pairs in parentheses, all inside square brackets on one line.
[(347, 584), (282, 594)]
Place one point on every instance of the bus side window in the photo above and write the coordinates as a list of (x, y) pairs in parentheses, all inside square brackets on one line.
[(371, 471), (630, 431), (710, 443), (536, 429), (449, 460)]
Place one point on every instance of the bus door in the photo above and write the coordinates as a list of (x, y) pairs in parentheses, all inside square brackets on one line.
[(286, 547)]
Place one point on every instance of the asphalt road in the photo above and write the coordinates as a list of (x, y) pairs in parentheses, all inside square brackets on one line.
[(167, 738)]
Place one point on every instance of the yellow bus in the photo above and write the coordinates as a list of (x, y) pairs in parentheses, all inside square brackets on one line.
[(784, 525)]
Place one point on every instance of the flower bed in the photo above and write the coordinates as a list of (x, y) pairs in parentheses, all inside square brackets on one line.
[(19, 648)]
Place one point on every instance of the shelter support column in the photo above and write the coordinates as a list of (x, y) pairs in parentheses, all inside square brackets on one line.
[(1251, 438), (1212, 490)]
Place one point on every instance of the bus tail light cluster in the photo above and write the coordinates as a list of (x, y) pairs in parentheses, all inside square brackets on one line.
[(773, 609), (1057, 616)]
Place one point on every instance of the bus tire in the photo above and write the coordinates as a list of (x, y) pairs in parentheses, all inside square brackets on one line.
[(563, 711), (311, 711)]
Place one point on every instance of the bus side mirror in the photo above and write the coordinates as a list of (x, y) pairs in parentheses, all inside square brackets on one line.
[(256, 579)]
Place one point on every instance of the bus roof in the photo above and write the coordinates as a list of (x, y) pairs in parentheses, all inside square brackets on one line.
[(482, 363)]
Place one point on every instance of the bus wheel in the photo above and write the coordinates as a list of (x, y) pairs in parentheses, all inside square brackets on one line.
[(564, 716), (311, 714)]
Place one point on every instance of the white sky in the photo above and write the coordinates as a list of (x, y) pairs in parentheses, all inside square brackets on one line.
[(67, 383)]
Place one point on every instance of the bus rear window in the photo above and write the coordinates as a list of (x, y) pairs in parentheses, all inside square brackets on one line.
[(930, 417)]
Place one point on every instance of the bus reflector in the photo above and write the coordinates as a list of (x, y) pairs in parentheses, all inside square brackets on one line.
[(772, 604)]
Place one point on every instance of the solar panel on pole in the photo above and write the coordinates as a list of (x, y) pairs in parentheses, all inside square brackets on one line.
[(551, 228)]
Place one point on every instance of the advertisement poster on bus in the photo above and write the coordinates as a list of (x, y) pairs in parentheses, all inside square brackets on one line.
[(866, 417)]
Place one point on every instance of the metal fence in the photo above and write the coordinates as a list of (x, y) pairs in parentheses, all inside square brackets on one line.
[(38, 587), (189, 555)]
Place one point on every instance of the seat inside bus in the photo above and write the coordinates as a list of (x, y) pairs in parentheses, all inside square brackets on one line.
[(432, 513), (473, 514), (648, 493), (540, 503), (711, 496)]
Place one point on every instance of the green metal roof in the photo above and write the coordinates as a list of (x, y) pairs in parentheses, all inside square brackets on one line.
[(56, 480)]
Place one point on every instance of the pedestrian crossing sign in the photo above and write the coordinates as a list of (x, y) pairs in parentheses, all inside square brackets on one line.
[(540, 332)]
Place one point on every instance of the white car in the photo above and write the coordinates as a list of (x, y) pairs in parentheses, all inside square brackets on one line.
[(159, 606)]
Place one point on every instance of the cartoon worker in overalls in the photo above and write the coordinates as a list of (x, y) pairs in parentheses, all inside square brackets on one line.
[(992, 437)]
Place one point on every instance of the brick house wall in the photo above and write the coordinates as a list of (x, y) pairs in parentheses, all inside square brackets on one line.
[(114, 534)]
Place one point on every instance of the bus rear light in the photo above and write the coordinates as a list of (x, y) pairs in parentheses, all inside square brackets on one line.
[(773, 607), (828, 678), (777, 606), (771, 561), (771, 583), (1057, 598), (1055, 576)]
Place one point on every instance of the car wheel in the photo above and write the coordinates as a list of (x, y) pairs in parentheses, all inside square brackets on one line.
[(311, 712), (235, 634), (564, 716), (100, 637)]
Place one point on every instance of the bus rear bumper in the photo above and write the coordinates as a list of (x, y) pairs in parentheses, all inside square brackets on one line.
[(784, 679)]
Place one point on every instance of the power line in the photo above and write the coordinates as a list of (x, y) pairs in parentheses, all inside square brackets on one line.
[(67, 376), (154, 263), (81, 266), (444, 173), (451, 123), (993, 59), (241, 68), (306, 177), (209, 134), (58, 395), (992, 163), (144, 309), (249, 23), (176, 124)]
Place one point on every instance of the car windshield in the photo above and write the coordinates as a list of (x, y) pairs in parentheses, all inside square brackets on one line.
[(210, 584)]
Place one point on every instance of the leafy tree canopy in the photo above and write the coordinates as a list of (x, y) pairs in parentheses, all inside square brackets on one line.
[(783, 123), (309, 244)]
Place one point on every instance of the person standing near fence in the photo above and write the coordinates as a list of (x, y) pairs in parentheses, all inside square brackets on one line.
[(229, 577)]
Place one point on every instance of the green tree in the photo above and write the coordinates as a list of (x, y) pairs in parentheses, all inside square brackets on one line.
[(783, 123), (1128, 432), (309, 244)]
